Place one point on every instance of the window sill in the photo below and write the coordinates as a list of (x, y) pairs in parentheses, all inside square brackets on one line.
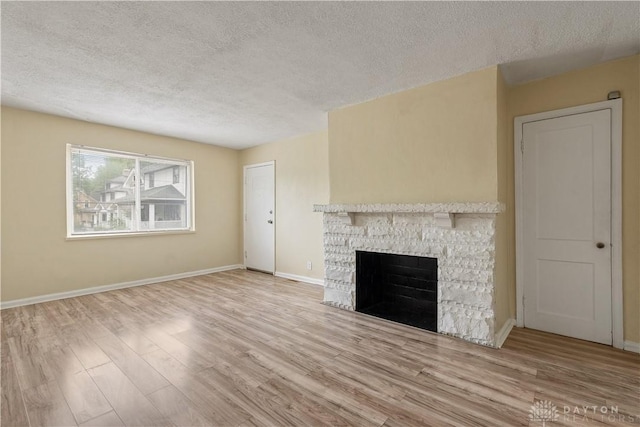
[(136, 234)]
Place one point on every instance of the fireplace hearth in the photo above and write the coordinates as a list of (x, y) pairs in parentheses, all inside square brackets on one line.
[(401, 288)]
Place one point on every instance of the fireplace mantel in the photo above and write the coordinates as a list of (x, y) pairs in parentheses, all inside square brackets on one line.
[(454, 208), (444, 213)]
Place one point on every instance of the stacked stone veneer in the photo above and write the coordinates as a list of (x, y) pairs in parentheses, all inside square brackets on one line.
[(465, 253)]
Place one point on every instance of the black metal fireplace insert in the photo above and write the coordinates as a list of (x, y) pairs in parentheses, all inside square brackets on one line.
[(401, 288)]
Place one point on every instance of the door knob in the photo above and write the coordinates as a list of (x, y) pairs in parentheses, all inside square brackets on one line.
[(270, 221), (599, 245)]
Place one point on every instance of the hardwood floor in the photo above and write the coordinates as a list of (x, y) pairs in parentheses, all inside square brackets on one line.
[(245, 349)]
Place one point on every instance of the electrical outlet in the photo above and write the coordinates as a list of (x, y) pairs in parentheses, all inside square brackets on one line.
[(309, 265)]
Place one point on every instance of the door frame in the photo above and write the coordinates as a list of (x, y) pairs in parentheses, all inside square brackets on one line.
[(615, 106), (244, 210)]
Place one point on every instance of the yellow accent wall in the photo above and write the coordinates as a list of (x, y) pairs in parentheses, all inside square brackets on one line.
[(302, 180), (443, 142), (37, 259), (505, 254), (587, 86), (435, 143)]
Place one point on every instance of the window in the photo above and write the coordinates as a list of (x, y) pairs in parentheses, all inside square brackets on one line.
[(105, 198), (169, 212)]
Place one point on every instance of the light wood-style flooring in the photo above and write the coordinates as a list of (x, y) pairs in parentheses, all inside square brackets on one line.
[(242, 348)]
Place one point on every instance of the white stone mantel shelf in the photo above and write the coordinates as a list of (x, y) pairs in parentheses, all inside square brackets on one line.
[(450, 208)]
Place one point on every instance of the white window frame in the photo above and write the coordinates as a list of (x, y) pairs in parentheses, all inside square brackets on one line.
[(190, 194)]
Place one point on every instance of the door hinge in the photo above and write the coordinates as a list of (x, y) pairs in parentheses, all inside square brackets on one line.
[(522, 145), (245, 254)]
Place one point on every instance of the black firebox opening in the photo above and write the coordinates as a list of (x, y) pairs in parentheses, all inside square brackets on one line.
[(401, 288)]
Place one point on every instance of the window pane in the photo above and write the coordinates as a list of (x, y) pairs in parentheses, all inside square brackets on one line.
[(106, 187), (163, 196), (103, 192)]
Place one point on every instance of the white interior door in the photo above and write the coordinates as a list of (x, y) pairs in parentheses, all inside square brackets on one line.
[(259, 217), (566, 185)]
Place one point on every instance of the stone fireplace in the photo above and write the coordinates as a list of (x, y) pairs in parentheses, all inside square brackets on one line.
[(460, 236)]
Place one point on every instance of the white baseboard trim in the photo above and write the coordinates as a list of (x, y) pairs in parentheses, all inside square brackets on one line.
[(297, 278), (504, 332), (632, 346), (105, 288)]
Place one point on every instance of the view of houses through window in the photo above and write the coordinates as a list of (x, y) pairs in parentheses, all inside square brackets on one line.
[(107, 197)]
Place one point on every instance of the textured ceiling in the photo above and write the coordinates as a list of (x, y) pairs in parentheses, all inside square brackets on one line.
[(241, 74)]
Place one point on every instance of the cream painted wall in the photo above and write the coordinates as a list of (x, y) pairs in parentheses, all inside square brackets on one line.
[(583, 87), (435, 143), (36, 257), (0, 207), (505, 254), (302, 180)]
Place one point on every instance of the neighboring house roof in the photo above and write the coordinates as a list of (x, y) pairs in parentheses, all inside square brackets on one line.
[(82, 196), (165, 192), (124, 180), (118, 179)]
